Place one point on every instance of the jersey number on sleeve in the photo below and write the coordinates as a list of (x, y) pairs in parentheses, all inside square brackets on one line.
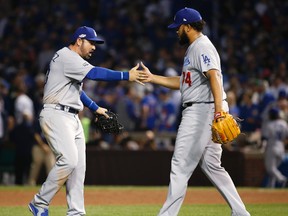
[(187, 78)]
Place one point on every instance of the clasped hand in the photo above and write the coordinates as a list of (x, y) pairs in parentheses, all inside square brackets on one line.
[(140, 76)]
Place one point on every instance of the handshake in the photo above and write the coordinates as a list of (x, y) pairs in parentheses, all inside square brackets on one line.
[(140, 76)]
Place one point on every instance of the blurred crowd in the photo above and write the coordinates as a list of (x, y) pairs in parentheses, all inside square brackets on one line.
[(250, 36)]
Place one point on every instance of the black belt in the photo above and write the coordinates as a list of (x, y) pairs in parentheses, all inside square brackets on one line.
[(62, 107), (67, 109), (188, 104)]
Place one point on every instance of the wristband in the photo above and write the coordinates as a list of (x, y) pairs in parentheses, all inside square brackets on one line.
[(218, 115), (93, 106)]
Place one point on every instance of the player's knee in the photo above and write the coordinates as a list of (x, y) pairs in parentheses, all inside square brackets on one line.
[(209, 166), (72, 163), (68, 162)]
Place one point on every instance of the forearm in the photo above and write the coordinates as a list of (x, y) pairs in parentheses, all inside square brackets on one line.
[(217, 90), (88, 102), (39, 140), (168, 82), (104, 74)]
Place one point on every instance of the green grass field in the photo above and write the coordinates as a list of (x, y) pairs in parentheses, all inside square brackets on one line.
[(152, 210), (143, 210)]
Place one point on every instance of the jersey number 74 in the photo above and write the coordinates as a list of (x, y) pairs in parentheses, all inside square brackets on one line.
[(186, 78)]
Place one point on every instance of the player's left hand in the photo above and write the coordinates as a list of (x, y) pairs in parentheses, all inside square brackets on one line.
[(102, 111), (109, 125), (224, 128), (145, 74)]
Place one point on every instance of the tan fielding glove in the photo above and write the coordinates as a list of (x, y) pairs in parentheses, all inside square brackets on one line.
[(224, 128)]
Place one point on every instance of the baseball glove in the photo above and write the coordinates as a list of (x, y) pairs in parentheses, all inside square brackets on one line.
[(224, 128), (108, 125)]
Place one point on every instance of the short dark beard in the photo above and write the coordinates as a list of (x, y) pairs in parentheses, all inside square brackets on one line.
[(87, 57), (183, 39)]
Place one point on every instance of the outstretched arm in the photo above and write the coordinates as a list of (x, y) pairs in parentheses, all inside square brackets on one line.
[(104, 74), (168, 82)]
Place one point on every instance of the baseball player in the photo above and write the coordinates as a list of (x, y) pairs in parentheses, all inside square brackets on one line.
[(63, 99), (203, 98), (276, 134)]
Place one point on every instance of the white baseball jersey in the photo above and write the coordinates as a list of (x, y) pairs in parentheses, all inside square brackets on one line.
[(193, 142), (63, 130), (200, 57), (64, 79), (23, 106)]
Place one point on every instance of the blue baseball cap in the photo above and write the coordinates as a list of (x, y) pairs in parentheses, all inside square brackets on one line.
[(274, 112), (185, 16), (282, 94), (87, 33)]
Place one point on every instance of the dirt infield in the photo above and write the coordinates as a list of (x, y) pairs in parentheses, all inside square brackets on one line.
[(139, 196)]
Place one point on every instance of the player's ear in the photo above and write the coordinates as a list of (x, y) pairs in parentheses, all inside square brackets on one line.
[(187, 27), (79, 41)]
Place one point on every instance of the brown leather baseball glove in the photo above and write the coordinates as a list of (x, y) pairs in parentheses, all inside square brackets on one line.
[(224, 128)]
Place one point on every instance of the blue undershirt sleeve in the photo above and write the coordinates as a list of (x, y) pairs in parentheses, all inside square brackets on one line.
[(88, 102), (104, 74)]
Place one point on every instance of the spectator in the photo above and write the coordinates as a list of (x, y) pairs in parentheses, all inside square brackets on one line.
[(251, 124), (149, 142), (264, 95), (166, 111), (166, 119), (281, 103), (3, 112), (45, 56), (148, 109), (22, 134), (232, 103), (125, 142), (249, 111), (128, 109), (41, 155)]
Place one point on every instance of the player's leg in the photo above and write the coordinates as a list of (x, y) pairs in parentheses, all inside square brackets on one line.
[(75, 182), (190, 144), (59, 128), (211, 165), (49, 161)]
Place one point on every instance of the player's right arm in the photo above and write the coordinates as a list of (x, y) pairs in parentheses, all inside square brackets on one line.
[(168, 82), (104, 74)]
